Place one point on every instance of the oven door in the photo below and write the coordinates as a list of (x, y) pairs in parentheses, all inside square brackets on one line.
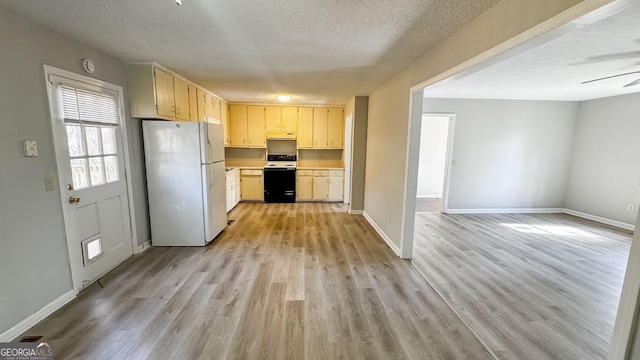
[(280, 185)]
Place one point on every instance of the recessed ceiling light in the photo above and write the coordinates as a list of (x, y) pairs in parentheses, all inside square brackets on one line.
[(179, 2), (284, 98)]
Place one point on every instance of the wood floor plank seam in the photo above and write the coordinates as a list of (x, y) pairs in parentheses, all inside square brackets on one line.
[(462, 320)]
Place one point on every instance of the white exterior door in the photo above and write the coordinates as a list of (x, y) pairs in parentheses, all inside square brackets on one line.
[(88, 139)]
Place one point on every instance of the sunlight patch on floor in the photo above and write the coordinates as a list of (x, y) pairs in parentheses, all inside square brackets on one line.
[(549, 229)]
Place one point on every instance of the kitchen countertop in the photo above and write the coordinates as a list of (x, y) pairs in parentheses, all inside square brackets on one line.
[(297, 167)]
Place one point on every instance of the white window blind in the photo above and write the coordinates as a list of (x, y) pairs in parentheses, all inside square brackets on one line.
[(86, 106)]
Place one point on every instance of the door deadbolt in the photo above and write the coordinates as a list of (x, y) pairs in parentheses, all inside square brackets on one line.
[(74, 200)]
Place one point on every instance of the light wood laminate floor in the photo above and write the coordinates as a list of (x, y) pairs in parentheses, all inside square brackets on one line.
[(530, 286), (284, 281), (429, 205)]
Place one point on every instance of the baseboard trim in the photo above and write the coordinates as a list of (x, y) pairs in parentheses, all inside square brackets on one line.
[(615, 223), (144, 246), (355, 212), (602, 220), (38, 316), (382, 234), (507, 211), (429, 196)]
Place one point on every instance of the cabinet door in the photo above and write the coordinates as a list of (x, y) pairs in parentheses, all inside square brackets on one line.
[(335, 128), (336, 188), (230, 187), (224, 117), (238, 187), (320, 128), (304, 190), (273, 118), (256, 127), (238, 125), (181, 89), (215, 108), (208, 106), (305, 128), (202, 105), (165, 96), (252, 187), (289, 118), (193, 103), (320, 187)]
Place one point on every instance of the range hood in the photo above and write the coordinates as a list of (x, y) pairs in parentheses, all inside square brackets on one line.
[(281, 135)]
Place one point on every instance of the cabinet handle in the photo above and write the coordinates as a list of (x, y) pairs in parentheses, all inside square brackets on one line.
[(177, 110), (173, 108)]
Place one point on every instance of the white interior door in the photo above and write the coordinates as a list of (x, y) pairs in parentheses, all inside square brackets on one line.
[(87, 134), (348, 145)]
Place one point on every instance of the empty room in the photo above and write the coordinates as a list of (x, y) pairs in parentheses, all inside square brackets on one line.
[(191, 179)]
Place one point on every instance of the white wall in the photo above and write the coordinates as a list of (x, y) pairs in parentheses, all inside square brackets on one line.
[(506, 24), (605, 165), (34, 264), (505, 146), (433, 153)]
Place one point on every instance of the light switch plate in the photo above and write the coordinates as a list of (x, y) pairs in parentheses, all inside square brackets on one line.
[(49, 184), (30, 148)]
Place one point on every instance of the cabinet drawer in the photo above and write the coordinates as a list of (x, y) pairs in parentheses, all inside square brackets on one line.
[(336, 172), (305, 172), (251, 172), (320, 173)]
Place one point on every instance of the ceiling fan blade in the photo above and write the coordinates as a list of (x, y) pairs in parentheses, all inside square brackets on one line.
[(634, 83), (610, 77)]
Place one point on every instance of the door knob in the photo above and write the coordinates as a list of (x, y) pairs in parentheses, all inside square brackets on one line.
[(74, 200)]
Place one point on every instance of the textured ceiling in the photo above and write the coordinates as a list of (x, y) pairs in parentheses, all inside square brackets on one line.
[(320, 51), (554, 70)]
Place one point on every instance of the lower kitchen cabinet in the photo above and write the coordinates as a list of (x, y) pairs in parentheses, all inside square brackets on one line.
[(320, 185), (336, 186), (232, 182), (252, 187), (304, 190), (238, 186)]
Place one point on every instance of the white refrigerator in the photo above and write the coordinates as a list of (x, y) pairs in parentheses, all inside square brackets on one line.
[(185, 182)]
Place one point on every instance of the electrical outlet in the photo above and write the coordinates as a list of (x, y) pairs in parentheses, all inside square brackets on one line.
[(49, 184), (513, 195), (630, 207)]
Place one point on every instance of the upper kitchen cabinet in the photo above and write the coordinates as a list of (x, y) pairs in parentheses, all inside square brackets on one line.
[(320, 123), (202, 105), (281, 121), (305, 128), (247, 126), (289, 118), (273, 118), (256, 123), (181, 93), (156, 93), (224, 117), (211, 107), (193, 103), (335, 128), (238, 125)]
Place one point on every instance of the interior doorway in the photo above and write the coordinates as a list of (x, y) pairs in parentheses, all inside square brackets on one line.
[(432, 165)]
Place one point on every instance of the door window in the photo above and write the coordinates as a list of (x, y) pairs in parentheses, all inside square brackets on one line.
[(91, 120)]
